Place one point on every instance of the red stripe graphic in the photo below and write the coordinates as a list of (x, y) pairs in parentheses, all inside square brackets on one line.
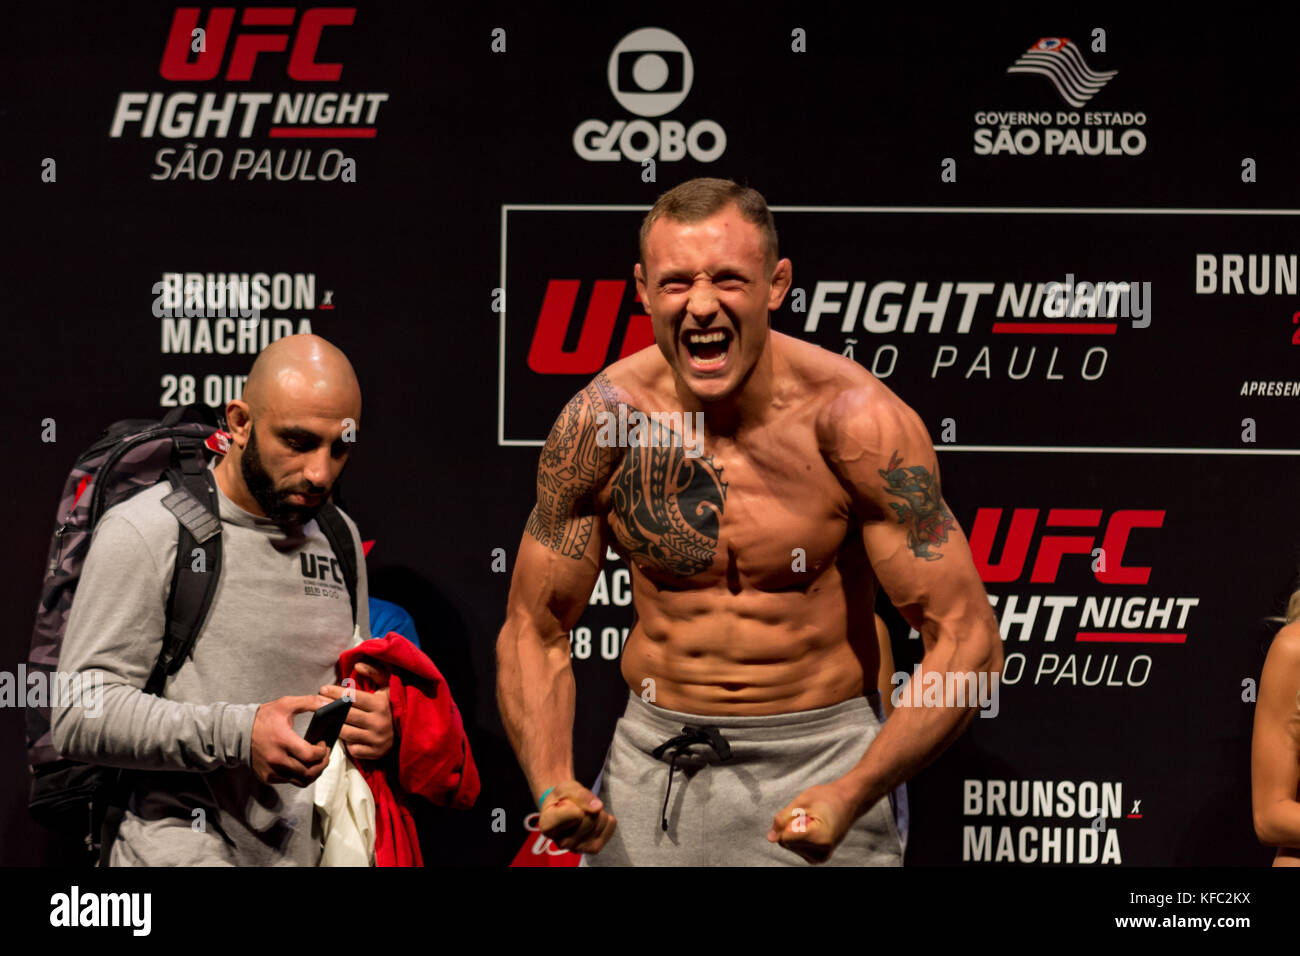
[(1130, 637)]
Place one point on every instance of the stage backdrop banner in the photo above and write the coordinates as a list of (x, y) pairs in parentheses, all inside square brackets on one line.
[(1072, 250)]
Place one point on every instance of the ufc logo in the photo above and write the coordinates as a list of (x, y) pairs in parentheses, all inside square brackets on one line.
[(1109, 566), (547, 354), (176, 64), (320, 567)]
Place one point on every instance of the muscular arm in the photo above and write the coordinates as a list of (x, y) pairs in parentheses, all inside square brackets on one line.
[(882, 454), (559, 560), (1275, 744)]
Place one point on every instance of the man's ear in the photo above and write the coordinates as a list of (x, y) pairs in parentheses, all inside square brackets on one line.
[(782, 277), (639, 275), (239, 419)]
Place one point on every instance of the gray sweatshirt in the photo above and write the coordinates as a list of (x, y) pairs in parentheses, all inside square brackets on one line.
[(278, 623)]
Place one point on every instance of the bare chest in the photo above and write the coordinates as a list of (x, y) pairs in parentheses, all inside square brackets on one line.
[(765, 512)]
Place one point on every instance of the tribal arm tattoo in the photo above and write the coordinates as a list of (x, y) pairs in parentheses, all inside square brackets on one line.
[(927, 518), (572, 469)]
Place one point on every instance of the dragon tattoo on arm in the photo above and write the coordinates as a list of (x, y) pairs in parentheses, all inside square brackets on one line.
[(927, 518)]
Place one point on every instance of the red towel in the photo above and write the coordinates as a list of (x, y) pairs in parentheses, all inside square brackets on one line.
[(433, 755)]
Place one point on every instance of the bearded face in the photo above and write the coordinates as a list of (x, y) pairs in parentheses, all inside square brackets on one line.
[(278, 503)]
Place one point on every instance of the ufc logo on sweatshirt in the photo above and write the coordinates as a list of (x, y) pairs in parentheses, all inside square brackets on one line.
[(324, 569)]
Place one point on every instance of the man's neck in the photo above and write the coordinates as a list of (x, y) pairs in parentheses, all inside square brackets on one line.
[(232, 485)]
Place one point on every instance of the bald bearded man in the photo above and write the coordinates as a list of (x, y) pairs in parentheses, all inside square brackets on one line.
[(223, 776)]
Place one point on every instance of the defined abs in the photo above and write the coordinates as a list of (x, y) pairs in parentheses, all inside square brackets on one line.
[(750, 670)]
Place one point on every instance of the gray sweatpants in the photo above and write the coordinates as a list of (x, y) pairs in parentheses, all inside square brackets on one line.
[(719, 812)]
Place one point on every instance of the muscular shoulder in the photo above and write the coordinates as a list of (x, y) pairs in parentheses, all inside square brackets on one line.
[(632, 381), (574, 465), (571, 453), (1279, 681), (1284, 651), (861, 418), (871, 440)]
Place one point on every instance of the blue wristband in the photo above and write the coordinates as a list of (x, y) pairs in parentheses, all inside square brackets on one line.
[(542, 798)]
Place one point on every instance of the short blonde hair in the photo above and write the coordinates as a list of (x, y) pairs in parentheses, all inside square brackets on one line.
[(700, 198)]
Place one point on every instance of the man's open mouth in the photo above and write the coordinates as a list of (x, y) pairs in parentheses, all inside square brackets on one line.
[(707, 348)]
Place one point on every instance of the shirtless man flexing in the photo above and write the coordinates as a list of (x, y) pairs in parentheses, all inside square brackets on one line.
[(752, 733)]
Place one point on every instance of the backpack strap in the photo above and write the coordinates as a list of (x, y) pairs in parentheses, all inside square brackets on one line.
[(339, 535), (194, 502)]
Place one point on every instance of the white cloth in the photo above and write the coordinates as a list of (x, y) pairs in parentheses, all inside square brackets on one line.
[(345, 807)]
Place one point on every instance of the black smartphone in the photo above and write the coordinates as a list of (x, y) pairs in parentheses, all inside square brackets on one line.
[(327, 722)]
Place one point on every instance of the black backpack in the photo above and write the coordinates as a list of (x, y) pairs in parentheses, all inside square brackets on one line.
[(85, 800)]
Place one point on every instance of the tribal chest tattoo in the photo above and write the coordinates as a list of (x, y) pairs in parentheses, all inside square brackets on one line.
[(925, 515), (667, 507), (664, 505)]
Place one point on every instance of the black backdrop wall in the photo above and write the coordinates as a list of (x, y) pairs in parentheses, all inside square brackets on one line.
[(926, 194)]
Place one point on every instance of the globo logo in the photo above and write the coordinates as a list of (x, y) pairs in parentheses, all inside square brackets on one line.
[(650, 73)]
